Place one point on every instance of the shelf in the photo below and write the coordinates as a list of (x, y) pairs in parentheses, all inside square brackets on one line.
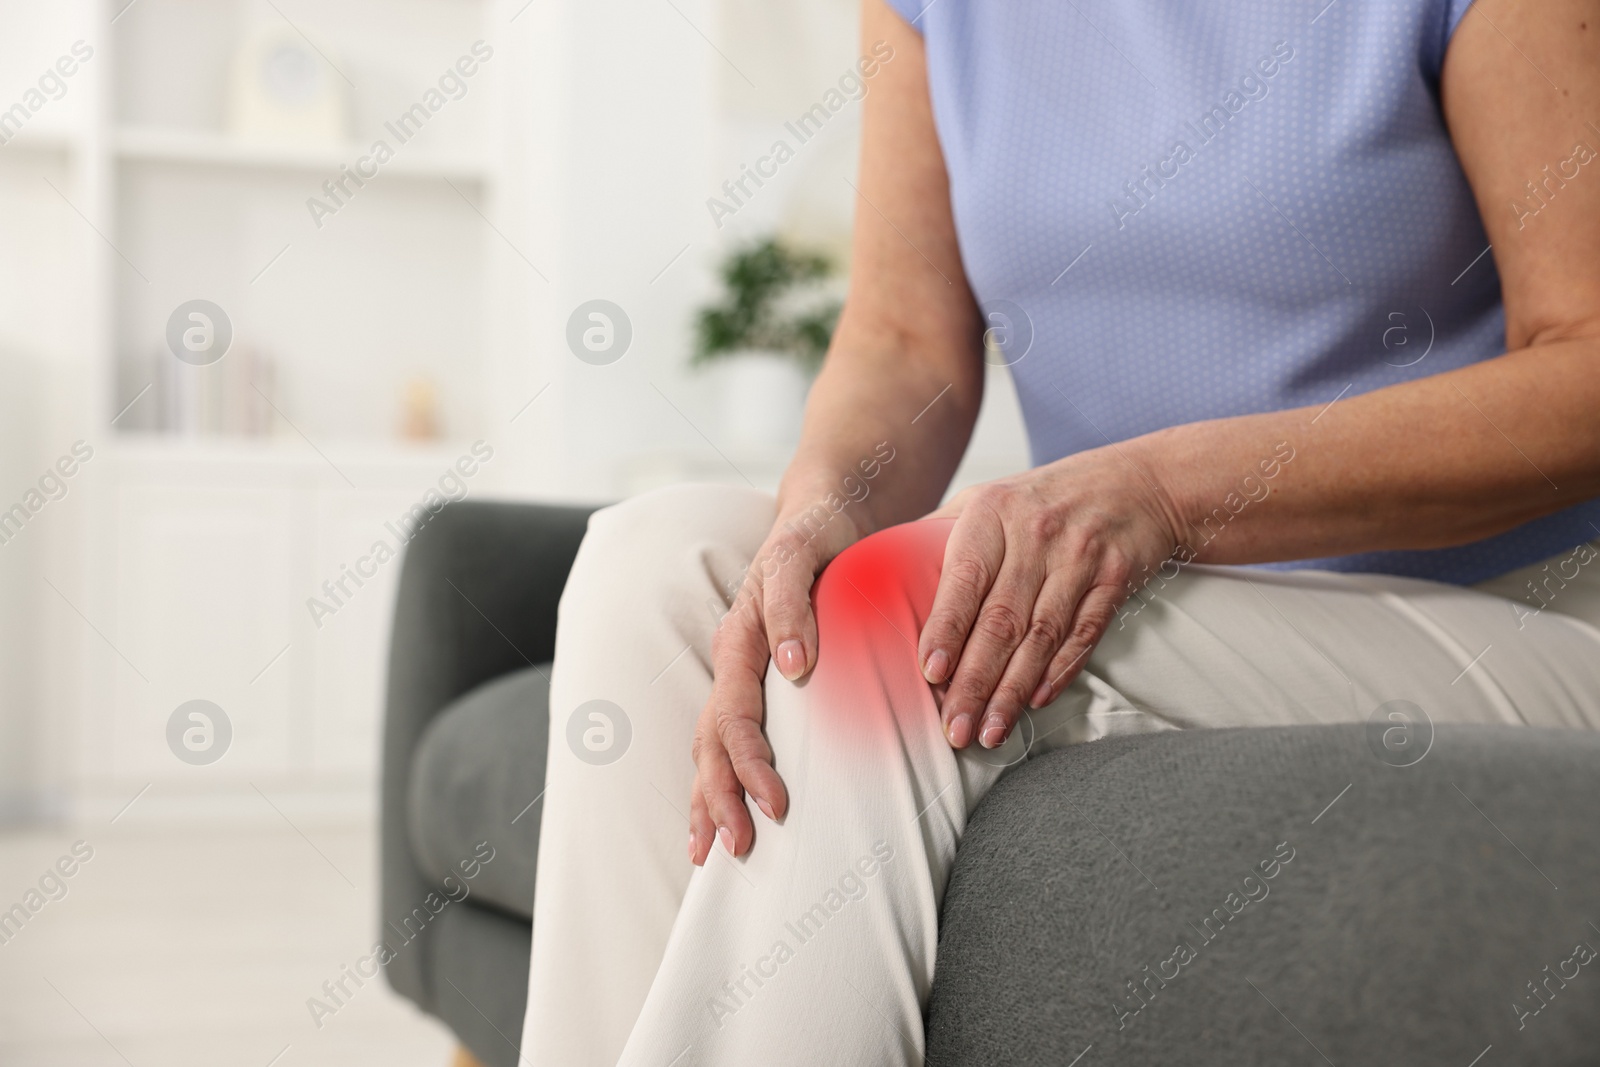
[(186, 147), (54, 142), (282, 451)]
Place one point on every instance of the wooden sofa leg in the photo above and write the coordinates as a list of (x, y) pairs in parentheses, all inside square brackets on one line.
[(463, 1058)]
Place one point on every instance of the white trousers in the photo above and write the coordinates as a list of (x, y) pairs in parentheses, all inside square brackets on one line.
[(818, 945)]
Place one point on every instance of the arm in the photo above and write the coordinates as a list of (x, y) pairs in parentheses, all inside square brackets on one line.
[(904, 371), (1039, 563), (910, 328), (1473, 452)]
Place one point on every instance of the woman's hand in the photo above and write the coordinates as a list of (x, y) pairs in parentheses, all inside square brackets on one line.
[(770, 620), (1035, 569)]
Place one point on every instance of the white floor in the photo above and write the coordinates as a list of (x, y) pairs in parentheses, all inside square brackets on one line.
[(179, 946)]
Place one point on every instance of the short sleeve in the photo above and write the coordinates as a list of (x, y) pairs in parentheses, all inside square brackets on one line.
[(1448, 16), (911, 10)]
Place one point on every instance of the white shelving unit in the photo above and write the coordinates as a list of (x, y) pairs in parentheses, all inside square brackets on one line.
[(182, 566), (144, 144)]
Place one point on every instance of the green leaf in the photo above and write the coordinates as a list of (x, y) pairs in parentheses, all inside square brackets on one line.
[(756, 280)]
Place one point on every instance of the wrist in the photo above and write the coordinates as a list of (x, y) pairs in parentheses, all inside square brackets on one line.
[(823, 519), (847, 492), (1157, 459)]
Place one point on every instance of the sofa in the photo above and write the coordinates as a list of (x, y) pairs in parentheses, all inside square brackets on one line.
[(1270, 896)]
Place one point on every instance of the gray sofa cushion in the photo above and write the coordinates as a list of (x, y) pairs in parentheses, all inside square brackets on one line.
[(1087, 866), (477, 600), (476, 771)]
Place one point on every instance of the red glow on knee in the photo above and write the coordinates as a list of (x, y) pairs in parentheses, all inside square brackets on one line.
[(871, 603)]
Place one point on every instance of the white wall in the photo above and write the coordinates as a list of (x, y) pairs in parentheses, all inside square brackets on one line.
[(649, 127)]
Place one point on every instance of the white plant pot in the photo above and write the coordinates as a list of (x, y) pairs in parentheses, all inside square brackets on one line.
[(762, 400)]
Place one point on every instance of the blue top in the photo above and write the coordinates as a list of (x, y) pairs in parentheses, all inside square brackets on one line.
[(1175, 211)]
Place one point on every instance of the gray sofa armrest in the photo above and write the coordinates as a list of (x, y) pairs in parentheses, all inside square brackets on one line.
[(1279, 895), (478, 595)]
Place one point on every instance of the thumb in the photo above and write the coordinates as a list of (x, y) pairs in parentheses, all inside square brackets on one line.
[(952, 508), (791, 626)]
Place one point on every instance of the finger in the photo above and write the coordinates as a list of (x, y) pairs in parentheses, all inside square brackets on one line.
[(791, 628), (972, 560), (723, 796), (736, 709), (702, 829), (1089, 624), (1001, 626), (751, 758), (1053, 612)]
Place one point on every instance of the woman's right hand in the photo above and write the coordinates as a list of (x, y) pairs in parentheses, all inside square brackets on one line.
[(770, 620)]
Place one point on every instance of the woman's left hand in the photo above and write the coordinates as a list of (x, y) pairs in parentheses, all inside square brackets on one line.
[(1035, 569)]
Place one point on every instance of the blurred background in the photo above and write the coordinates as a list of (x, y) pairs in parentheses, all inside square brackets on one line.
[(239, 342)]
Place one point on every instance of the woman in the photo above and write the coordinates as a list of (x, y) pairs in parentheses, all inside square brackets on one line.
[(1238, 257)]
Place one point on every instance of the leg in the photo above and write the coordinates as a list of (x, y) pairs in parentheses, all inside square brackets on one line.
[(818, 946), (1222, 646), (634, 630), (1567, 583)]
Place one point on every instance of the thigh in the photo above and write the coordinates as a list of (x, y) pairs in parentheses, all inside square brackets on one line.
[(1226, 646), (1567, 584), (651, 580), (632, 671)]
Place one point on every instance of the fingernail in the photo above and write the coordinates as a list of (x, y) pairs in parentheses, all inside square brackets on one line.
[(936, 666), (766, 809), (791, 659), (960, 730), (726, 836), (994, 734), (1041, 696), (694, 843)]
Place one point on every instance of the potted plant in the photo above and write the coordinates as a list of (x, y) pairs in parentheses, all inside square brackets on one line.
[(767, 336)]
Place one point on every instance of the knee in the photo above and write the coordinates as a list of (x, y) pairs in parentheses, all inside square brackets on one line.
[(656, 520), (671, 533), (871, 603), (887, 578)]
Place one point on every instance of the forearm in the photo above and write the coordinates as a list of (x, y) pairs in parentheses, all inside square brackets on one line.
[(1441, 461), (905, 369), (882, 393)]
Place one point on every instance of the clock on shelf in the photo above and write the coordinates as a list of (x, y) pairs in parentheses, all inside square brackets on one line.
[(282, 89)]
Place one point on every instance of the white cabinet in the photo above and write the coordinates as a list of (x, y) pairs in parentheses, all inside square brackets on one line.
[(204, 585), (214, 558), (348, 652)]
